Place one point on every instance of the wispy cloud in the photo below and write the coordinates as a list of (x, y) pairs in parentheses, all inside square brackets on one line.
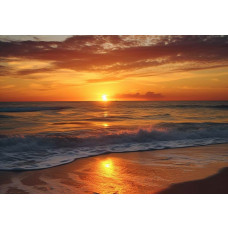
[(113, 57)]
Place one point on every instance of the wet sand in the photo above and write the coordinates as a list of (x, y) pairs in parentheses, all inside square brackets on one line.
[(216, 184), (183, 170)]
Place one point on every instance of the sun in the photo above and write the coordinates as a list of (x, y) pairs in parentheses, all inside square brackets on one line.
[(104, 97)]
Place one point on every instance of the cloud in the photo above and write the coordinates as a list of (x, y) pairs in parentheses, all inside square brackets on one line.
[(138, 96), (10, 38), (115, 56), (34, 71)]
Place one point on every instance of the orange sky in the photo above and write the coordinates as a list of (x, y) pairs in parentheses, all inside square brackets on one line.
[(72, 68)]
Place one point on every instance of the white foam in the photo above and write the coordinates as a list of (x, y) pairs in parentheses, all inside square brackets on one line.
[(44, 151)]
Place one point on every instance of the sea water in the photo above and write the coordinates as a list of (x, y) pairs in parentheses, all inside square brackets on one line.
[(35, 135)]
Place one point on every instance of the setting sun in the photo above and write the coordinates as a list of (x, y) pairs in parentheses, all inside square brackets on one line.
[(104, 97)]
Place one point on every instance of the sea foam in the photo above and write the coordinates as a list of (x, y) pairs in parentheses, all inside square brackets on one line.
[(36, 151)]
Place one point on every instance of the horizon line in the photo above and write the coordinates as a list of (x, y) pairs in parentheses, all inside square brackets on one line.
[(111, 101)]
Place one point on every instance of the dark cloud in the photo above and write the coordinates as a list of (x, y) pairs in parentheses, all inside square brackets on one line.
[(118, 54), (32, 71), (137, 96)]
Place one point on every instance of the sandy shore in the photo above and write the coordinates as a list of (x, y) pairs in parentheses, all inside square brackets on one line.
[(215, 184), (183, 170)]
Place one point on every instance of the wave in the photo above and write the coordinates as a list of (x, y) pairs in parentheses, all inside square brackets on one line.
[(220, 106), (5, 116), (28, 152), (109, 118), (30, 109), (197, 106)]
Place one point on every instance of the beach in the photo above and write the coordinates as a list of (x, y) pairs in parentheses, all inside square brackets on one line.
[(158, 171)]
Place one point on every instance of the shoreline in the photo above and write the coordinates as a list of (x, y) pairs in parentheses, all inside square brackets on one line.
[(129, 172), (106, 153)]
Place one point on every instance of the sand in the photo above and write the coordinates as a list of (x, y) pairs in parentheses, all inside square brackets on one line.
[(183, 170), (216, 184)]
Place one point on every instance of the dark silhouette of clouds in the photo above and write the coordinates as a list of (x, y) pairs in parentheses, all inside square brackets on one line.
[(116, 54), (138, 96)]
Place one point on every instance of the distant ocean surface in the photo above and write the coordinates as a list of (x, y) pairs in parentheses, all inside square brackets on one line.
[(36, 135)]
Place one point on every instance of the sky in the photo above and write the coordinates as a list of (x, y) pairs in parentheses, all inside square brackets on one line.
[(84, 68)]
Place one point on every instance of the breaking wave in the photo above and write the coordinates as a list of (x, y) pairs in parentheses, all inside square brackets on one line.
[(28, 152)]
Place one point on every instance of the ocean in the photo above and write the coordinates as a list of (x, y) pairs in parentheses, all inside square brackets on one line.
[(36, 135)]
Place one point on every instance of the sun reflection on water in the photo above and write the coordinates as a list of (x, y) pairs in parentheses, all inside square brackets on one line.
[(107, 168), (105, 114), (108, 177)]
